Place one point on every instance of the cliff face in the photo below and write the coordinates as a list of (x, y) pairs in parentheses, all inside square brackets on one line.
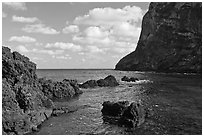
[(170, 40), (26, 100)]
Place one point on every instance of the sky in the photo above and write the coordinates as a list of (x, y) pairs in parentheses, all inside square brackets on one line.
[(72, 35)]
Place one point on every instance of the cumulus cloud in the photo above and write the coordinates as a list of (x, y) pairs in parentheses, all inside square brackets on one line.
[(16, 5), (71, 29), (110, 16), (22, 49), (47, 51), (64, 46), (62, 57), (110, 30), (24, 19), (4, 15), (40, 28), (22, 39)]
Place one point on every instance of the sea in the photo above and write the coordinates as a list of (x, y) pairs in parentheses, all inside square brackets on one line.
[(173, 101)]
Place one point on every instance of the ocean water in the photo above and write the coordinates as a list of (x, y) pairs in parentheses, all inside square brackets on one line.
[(174, 101)]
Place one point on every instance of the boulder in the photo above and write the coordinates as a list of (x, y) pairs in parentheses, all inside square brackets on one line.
[(133, 116), (131, 79), (125, 78), (114, 109), (56, 90), (111, 80), (102, 83), (89, 84), (121, 113)]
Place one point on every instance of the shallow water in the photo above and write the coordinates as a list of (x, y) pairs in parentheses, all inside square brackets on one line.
[(175, 101)]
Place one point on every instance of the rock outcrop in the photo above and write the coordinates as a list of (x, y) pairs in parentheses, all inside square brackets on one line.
[(24, 106), (56, 90), (121, 113), (131, 79), (109, 81), (26, 100), (170, 40)]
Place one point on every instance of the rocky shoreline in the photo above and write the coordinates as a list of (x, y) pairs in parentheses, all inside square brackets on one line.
[(26, 100)]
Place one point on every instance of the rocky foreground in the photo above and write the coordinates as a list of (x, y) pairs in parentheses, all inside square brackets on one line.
[(170, 40), (26, 100)]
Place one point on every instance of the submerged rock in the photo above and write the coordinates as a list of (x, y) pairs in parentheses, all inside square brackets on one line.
[(170, 40), (109, 81), (122, 113)]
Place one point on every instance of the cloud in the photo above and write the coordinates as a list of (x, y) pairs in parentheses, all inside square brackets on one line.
[(40, 28), (71, 29), (109, 16), (62, 57), (22, 39), (110, 30), (126, 29), (16, 5), (22, 49), (64, 46), (47, 51), (4, 15), (24, 19)]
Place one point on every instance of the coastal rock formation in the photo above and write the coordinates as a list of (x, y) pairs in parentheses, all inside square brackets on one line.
[(109, 81), (24, 106), (122, 113), (27, 100), (131, 79), (133, 116), (114, 109), (170, 40), (56, 90)]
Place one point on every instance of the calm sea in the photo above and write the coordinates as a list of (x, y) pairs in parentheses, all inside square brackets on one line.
[(175, 101)]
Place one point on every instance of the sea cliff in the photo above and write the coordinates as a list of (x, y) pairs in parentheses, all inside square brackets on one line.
[(170, 40)]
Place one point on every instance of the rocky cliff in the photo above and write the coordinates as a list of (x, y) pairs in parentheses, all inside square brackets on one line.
[(170, 40), (26, 100)]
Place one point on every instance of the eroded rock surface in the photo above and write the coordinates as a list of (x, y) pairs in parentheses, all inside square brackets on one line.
[(170, 40), (26, 100)]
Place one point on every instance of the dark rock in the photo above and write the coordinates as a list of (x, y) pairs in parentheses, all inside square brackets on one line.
[(170, 40), (133, 116), (114, 109), (102, 83), (122, 114), (25, 98), (59, 90), (125, 78), (131, 79), (111, 80), (89, 84)]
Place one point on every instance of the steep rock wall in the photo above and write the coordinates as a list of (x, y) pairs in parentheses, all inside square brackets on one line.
[(170, 40)]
